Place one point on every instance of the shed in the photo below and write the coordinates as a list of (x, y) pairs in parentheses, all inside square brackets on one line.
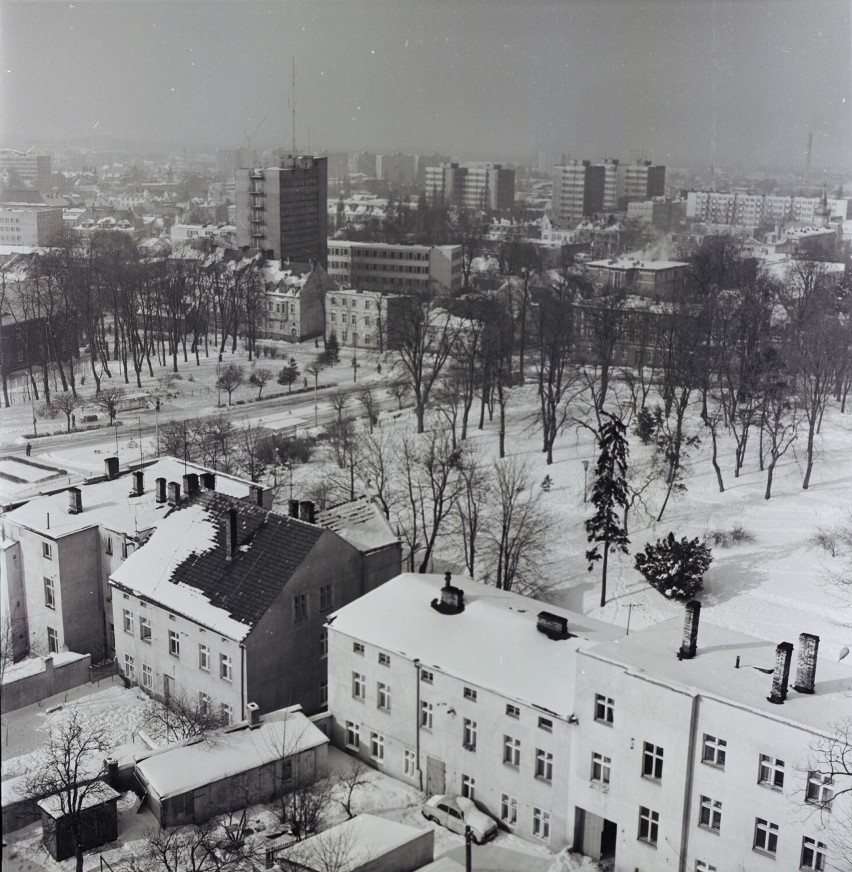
[(237, 767), (98, 821)]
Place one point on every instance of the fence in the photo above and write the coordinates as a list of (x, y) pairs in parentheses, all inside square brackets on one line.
[(43, 681)]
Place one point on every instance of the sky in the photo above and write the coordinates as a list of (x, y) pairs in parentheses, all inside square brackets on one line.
[(677, 81)]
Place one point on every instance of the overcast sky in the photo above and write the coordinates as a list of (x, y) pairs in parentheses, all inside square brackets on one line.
[(698, 81)]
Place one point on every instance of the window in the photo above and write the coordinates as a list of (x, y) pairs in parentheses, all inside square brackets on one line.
[(353, 735), (409, 764), (426, 676), (508, 809), (377, 746), (425, 715), (359, 686), (226, 713), (771, 773), (652, 761), (323, 643), (147, 676), (383, 694), (541, 824), (203, 703), (52, 641), (604, 709), (469, 734), (174, 643), (323, 689), (765, 836), (128, 621), (601, 767), (226, 667), (300, 606), (123, 549), (710, 813), (543, 764), (384, 659), (325, 598), (358, 648), (468, 787), (49, 595), (813, 854), (129, 668), (714, 751), (511, 751), (545, 724), (109, 544), (470, 693), (649, 825), (145, 629), (513, 711), (204, 658), (701, 866), (820, 789)]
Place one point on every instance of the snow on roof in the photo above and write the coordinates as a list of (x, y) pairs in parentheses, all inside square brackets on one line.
[(360, 522), (36, 665), (651, 653), (99, 793), (493, 643), (281, 734), (108, 503), (635, 263), (363, 839)]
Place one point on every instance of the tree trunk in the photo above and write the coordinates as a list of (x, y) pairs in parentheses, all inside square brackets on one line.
[(603, 574), (770, 469), (810, 453)]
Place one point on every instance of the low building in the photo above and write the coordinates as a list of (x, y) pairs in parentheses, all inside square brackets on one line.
[(97, 819), (363, 319), (253, 763), (25, 219), (294, 299), (656, 280)]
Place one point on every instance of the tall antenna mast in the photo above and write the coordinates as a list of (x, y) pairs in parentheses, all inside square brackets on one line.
[(294, 104)]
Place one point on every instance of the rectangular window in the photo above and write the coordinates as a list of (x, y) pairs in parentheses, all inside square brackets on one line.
[(541, 824), (468, 787), (426, 676), (765, 836), (326, 597), (358, 648), (714, 751), (226, 667), (813, 855), (545, 724), (377, 746), (323, 688), (384, 659), (49, 594), (300, 607), (203, 703), (470, 693), (226, 713), (710, 813), (123, 549), (820, 789), (426, 714), (513, 711), (128, 621), (353, 735), (701, 866), (652, 761), (147, 676), (511, 751), (508, 809), (129, 668), (174, 643), (771, 772), (604, 709), (52, 641), (601, 767), (543, 764), (323, 643), (145, 629), (109, 544), (409, 764), (359, 686), (469, 734), (649, 825), (383, 696), (204, 658)]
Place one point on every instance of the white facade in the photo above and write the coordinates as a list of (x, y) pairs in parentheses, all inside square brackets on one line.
[(742, 209)]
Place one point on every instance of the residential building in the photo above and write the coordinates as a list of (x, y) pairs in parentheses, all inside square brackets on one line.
[(641, 180), (227, 602), (283, 209), (462, 693), (362, 319), (398, 170), (219, 234), (661, 213), (742, 209), (424, 161), (25, 169), (383, 266), (656, 280), (26, 220), (294, 300), (59, 550), (580, 188), (480, 187)]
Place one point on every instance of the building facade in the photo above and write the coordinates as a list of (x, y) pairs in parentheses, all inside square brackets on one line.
[(295, 301), (477, 187), (25, 169), (742, 209), (655, 280), (362, 319), (642, 180)]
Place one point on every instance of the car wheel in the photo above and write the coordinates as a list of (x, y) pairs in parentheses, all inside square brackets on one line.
[(427, 816)]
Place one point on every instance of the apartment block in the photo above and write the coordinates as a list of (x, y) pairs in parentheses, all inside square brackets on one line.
[(642, 180), (363, 319), (25, 169), (478, 187)]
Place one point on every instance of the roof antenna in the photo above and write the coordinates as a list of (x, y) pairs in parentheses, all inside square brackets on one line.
[(293, 104)]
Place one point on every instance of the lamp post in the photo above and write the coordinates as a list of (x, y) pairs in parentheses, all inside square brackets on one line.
[(585, 481), (316, 383)]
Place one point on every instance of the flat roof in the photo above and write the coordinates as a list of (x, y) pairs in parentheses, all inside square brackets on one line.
[(635, 263), (493, 643), (99, 793)]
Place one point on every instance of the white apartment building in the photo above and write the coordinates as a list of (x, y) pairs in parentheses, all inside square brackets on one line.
[(741, 209), (361, 319)]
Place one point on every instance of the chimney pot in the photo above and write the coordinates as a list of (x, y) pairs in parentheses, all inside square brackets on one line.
[(783, 656), (806, 667), (75, 501), (689, 645), (306, 511), (138, 483), (111, 467), (253, 715), (294, 509), (161, 490), (174, 493), (231, 533)]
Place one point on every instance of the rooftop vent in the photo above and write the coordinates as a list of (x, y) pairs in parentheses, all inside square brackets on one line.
[(75, 501), (174, 493), (138, 483), (190, 484), (253, 715), (161, 490), (110, 467), (306, 511), (553, 626), (783, 656), (689, 645), (256, 495), (806, 668), (452, 598), (208, 480), (294, 508), (231, 533)]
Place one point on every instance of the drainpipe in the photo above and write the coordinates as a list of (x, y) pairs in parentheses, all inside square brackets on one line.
[(417, 724), (687, 787), (243, 682)]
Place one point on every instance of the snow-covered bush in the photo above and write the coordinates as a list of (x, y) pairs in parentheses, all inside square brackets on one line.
[(675, 567)]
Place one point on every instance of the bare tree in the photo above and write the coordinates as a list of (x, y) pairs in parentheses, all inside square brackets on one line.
[(355, 776), (398, 389), (66, 403), (259, 378), (831, 762), (230, 378), (471, 507), (303, 807), (780, 423), (180, 717), (109, 400), (368, 400)]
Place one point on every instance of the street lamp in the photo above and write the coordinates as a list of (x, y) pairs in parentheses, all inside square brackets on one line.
[(585, 481)]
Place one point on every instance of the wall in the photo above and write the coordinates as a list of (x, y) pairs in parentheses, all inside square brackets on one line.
[(12, 597), (47, 682)]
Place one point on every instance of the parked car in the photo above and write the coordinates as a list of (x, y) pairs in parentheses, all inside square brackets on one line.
[(457, 812)]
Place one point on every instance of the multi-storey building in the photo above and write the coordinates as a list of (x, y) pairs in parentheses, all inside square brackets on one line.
[(480, 187), (25, 169), (398, 170), (656, 280), (609, 197), (578, 190), (231, 160), (382, 266), (660, 212), (641, 181), (295, 294), (741, 209), (26, 220), (363, 319), (283, 209)]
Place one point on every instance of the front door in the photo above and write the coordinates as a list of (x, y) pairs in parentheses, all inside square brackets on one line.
[(436, 776)]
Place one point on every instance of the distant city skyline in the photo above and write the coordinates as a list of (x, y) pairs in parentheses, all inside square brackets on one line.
[(695, 82)]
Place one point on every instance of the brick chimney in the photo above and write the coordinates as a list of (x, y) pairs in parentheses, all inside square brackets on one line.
[(231, 533), (138, 483), (190, 484), (174, 493), (294, 509), (306, 511), (553, 626), (783, 656), (253, 710), (75, 501), (806, 667), (452, 598), (160, 484), (689, 645), (256, 495), (208, 480), (110, 467)]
